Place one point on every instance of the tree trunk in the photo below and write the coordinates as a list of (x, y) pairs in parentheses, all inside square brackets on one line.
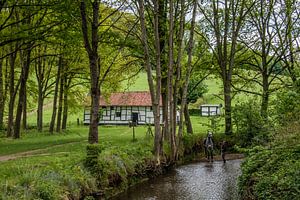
[(227, 99), (24, 118), (162, 30), (95, 65), (95, 95), (39, 77), (188, 123), (170, 82), (40, 109), (22, 91), (164, 97), (265, 96), (54, 109), (12, 94), (154, 91), (60, 98), (179, 77), (66, 107), (188, 69), (2, 102)]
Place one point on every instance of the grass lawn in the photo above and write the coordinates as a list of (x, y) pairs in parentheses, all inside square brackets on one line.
[(58, 168), (57, 160), (118, 135)]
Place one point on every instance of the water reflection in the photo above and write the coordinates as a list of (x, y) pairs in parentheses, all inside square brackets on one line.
[(191, 182)]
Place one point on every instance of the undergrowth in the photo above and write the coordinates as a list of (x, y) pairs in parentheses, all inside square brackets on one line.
[(272, 171)]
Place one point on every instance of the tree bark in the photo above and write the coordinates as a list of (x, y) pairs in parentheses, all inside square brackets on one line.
[(162, 30), (24, 112), (227, 101), (12, 94), (22, 92), (40, 109), (2, 102), (171, 105), (188, 123), (65, 102), (39, 76), (54, 109), (154, 91), (265, 93), (60, 97), (95, 66), (179, 67)]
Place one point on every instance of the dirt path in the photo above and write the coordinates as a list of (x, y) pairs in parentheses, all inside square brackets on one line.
[(37, 152)]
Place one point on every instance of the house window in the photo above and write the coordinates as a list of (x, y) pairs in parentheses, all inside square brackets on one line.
[(112, 108), (118, 114), (104, 111)]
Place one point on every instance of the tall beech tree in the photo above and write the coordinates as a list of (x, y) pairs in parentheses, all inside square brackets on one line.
[(43, 72), (12, 89), (224, 19), (100, 65), (188, 70), (269, 46), (91, 46), (55, 95), (154, 85)]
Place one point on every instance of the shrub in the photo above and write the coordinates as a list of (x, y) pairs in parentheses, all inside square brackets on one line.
[(287, 107), (251, 127), (272, 172)]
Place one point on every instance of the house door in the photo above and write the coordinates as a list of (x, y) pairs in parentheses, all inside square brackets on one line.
[(135, 117)]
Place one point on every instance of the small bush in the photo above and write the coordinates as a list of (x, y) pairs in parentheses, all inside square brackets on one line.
[(251, 127), (287, 107)]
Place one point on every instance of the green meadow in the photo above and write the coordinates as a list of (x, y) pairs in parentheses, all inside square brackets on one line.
[(77, 134), (24, 162)]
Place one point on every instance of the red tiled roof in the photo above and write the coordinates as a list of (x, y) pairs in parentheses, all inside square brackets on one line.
[(127, 99)]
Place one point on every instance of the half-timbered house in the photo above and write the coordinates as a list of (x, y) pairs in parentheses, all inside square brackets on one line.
[(124, 107)]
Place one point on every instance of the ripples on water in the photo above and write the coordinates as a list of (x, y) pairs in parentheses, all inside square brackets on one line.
[(197, 181)]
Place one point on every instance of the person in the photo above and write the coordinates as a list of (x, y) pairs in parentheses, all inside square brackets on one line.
[(205, 150), (223, 150), (209, 145)]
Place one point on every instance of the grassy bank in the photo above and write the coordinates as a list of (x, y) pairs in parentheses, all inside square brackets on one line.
[(59, 169), (272, 171), (55, 166)]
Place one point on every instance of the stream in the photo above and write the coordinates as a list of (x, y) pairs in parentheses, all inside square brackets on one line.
[(194, 181)]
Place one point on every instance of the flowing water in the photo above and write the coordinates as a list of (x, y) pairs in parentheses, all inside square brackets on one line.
[(195, 181)]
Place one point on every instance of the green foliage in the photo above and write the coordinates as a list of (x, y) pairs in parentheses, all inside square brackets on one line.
[(287, 107), (118, 167), (272, 172), (214, 123), (192, 143), (47, 179), (251, 127), (196, 89)]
